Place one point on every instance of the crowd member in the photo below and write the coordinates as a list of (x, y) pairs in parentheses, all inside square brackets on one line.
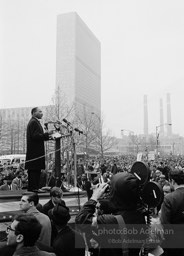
[(24, 179), (85, 184), (43, 179), (80, 168), (167, 188), (51, 179), (8, 185), (28, 204), (157, 175), (164, 169), (107, 175), (22, 236), (153, 169), (162, 180), (35, 149), (103, 167), (172, 212), (1, 178), (56, 195), (68, 242), (123, 200), (18, 179), (114, 167)]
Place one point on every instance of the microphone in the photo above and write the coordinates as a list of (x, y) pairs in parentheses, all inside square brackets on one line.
[(46, 126), (50, 122), (79, 131), (64, 120)]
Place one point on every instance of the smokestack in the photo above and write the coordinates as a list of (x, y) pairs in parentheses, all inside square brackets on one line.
[(145, 116), (169, 127), (161, 118)]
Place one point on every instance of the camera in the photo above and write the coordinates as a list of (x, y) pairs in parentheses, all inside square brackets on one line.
[(148, 194)]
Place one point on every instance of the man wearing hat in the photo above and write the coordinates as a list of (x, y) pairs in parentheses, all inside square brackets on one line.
[(123, 202), (68, 241)]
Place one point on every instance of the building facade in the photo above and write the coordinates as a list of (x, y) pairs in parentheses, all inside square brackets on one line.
[(78, 63)]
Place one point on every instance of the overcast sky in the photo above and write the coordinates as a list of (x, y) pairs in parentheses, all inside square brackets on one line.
[(142, 52)]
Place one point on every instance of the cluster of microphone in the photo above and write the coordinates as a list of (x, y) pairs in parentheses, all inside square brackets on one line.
[(55, 123)]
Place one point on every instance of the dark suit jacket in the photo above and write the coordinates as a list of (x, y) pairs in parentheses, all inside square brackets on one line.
[(69, 242), (35, 145), (6, 187), (49, 205), (172, 217), (172, 211)]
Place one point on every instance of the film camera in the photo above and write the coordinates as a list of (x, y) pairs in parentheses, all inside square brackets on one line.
[(150, 193)]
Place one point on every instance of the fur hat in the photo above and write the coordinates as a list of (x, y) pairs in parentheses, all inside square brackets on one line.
[(124, 190)]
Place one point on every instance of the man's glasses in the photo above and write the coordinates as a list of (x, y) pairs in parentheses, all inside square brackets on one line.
[(57, 195), (8, 229)]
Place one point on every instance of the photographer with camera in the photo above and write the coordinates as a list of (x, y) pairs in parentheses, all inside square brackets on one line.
[(116, 219)]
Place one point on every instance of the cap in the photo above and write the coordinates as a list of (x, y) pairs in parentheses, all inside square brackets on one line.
[(124, 189)]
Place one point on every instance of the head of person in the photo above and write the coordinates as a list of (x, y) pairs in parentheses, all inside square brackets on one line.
[(37, 112), (84, 177), (19, 174), (23, 231), (7, 181), (162, 179), (56, 194), (158, 173), (59, 215), (124, 191), (167, 189), (177, 176), (28, 200)]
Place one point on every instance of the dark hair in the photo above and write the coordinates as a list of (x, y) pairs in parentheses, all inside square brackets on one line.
[(18, 172), (29, 227), (33, 110), (177, 175), (32, 197), (55, 192)]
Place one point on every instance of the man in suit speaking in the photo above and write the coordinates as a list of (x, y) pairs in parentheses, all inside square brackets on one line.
[(35, 155)]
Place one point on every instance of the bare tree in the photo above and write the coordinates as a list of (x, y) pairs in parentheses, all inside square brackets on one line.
[(59, 107), (84, 122), (104, 141), (57, 111)]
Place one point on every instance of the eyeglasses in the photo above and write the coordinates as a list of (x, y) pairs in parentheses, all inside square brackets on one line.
[(8, 229), (57, 195)]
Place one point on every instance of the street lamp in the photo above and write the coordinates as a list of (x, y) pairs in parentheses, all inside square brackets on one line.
[(157, 136)]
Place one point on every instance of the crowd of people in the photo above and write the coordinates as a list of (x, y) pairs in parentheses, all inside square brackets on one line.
[(115, 220), (56, 237)]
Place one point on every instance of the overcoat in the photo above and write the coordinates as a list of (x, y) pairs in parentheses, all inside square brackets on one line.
[(35, 145)]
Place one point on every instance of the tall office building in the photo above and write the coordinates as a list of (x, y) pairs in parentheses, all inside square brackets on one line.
[(78, 62)]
